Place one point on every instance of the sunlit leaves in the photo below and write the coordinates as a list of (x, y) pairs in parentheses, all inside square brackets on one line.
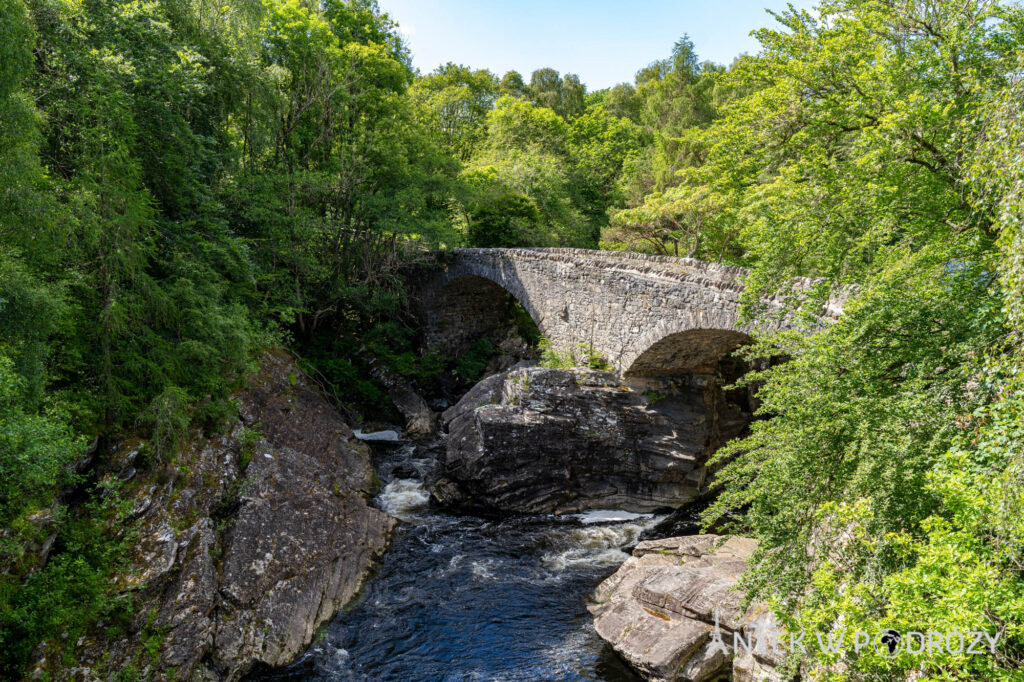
[(877, 152)]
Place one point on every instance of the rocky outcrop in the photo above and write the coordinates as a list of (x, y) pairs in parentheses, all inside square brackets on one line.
[(420, 421), (671, 611), (247, 543), (552, 440)]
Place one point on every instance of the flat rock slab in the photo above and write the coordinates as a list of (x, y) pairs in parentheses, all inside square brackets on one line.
[(660, 611)]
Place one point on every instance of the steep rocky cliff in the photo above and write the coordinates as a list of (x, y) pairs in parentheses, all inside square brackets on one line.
[(246, 545), (553, 440)]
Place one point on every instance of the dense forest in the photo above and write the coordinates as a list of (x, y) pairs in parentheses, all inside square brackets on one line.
[(185, 182)]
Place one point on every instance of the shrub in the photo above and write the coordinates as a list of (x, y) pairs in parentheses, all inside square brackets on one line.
[(35, 449)]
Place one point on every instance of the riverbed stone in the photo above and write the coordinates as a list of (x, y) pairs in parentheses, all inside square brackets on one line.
[(662, 609), (542, 440)]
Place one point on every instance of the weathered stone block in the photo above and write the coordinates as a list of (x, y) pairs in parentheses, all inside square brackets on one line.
[(551, 440)]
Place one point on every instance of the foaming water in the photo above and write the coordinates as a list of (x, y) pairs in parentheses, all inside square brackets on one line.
[(389, 435), (608, 515), (594, 546), (402, 497), (467, 598)]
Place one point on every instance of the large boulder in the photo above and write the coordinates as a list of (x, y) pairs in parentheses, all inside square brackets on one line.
[(554, 440), (246, 546), (671, 611)]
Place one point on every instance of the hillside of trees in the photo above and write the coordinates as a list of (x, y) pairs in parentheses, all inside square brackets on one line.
[(184, 182)]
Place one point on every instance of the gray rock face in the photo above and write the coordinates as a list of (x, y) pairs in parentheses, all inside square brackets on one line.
[(658, 612), (546, 440), (241, 559)]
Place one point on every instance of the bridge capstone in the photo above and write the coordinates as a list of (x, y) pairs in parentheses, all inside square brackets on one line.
[(644, 314)]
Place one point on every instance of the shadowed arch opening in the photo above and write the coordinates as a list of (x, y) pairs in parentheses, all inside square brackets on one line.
[(691, 372), (471, 308), (695, 351)]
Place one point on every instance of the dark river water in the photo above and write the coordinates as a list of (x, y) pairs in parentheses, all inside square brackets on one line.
[(466, 598)]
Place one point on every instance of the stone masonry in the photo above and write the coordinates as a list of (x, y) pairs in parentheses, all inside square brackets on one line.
[(644, 314)]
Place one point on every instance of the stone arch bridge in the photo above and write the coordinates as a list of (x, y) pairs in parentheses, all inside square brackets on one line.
[(644, 314)]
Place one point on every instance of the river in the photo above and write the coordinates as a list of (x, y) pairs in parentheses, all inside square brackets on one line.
[(460, 597)]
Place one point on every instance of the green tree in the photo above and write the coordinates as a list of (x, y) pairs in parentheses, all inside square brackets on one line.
[(622, 101), (512, 85), (545, 88), (572, 97), (565, 95), (599, 146), (518, 124), (527, 158), (693, 218), (35, 452), (851, 160), (673, 97), (460, 98)]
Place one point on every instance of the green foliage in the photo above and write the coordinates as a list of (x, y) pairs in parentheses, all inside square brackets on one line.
[(654, 397), (342, 361), (525, 326), (30, 312), (250, 439), (554, 358), (564, 95), (863, 410), (35, 450), (501, 217), (876, 147), (583, 355), (540, 181), (215, 414), (512, 84), (672, 99), (692, 217), (521, 125), (17, 40), (24, 208), (344, 376), (591, 358), (620, 101), (960, 572), (460, 99), (170, 419), (73, 591), (206, 170), (472, 364), (180, 185), (600, 146)]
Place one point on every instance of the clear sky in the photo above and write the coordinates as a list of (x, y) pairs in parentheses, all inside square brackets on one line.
[(603, 41)]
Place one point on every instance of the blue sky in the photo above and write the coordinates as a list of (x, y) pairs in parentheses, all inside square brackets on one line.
[(604, 41)]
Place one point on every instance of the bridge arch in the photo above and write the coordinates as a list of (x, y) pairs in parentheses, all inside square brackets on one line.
[(465, 306), (690, 351)]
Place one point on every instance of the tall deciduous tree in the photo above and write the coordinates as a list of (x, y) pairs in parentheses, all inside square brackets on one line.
[(851, 160), (460, 99)]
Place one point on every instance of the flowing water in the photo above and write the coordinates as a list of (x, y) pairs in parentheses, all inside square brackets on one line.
[(467, 598)]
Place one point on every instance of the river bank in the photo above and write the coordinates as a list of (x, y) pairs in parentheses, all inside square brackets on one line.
[(467, 597)]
